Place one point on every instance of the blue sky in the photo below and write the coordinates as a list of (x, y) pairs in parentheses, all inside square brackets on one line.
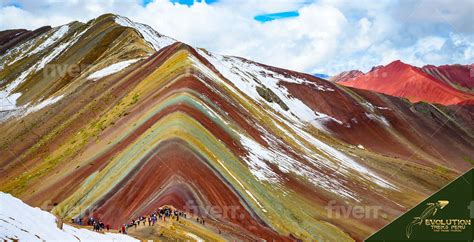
[(323, 36), (264, 17), (185, 2)]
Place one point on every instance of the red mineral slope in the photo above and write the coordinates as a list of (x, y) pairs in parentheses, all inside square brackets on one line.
[(454, 75), (187, 182), (403, 80)]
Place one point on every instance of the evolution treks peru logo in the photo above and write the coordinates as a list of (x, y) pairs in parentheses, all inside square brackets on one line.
[(436, 218), (429, 212), (437, 225)]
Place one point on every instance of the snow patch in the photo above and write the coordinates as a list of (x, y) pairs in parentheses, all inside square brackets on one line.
[(246, 76), (42, 104), (256, 158), (378, 118), (58, 34), (24, 223), (7, 97), (58, 50), (111, 69), (8, 102), (194, 237), (383, 108)]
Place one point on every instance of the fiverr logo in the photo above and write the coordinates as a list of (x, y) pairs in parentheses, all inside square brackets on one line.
[(471, 209)]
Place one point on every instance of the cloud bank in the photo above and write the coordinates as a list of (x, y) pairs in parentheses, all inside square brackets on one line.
[(325, 37)]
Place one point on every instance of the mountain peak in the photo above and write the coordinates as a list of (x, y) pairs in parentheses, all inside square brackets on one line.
[(397, 64)]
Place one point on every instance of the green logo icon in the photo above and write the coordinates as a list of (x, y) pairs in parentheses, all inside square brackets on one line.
[(430, 211)]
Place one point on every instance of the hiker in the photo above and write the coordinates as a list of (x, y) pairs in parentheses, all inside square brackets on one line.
[(123, 229), (149, 221), (107, 227)]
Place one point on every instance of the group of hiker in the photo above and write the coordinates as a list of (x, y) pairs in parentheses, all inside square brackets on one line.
[(161, 213), (200, 220), (96, 224)]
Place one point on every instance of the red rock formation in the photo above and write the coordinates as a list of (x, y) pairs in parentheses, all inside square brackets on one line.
[(462, 75), (403, 80)]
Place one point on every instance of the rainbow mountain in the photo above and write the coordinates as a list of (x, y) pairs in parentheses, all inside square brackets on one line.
[(112, 119)]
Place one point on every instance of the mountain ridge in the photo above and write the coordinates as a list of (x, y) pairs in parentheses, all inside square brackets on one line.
[(429, 83)]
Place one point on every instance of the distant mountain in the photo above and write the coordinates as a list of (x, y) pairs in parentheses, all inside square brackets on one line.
[(111, 119), (447, 85), (346, 75), (458, 76)]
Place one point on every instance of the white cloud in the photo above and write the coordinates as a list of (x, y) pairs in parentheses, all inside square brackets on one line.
[(327, 36)]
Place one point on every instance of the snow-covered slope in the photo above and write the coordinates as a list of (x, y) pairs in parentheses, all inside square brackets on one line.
[(112, 69), (154, 38), (18, 221)]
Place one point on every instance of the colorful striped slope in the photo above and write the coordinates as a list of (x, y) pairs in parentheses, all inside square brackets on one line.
[(261, 152)]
